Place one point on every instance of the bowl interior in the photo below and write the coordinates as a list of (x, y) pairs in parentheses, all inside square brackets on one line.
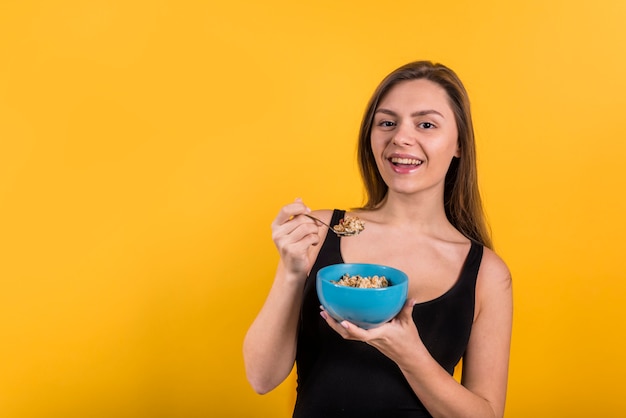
[(366, 308)]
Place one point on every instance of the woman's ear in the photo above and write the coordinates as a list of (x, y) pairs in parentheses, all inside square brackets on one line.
[(457, 154)]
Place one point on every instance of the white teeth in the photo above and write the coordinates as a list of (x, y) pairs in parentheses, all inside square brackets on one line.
[(406, 161)]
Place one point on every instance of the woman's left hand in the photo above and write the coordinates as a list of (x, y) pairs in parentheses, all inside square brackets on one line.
[(395, 339)]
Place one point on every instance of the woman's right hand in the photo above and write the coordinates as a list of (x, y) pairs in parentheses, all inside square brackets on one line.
[(293, 235)]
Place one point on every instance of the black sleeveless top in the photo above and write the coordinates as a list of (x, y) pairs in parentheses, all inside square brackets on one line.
[(341, 378)]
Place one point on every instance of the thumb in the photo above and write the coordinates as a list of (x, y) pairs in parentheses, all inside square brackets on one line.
[(407, 309)]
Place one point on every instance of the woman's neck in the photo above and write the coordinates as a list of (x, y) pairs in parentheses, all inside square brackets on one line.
[(417, 213)]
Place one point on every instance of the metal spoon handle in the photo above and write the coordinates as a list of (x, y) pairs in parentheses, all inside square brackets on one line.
[(320, 221), (339, 233)]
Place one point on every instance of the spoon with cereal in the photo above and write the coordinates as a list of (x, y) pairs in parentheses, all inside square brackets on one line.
[(349, 226)]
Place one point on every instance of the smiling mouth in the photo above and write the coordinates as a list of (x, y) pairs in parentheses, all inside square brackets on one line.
[(405, 162)]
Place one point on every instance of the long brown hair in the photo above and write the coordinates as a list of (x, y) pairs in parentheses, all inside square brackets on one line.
[(462, 200)]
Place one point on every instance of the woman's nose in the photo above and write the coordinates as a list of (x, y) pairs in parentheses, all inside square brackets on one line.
[(404, 137)]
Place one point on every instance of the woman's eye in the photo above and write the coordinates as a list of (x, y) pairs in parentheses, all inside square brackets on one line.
[(386, 123), (426, 125)]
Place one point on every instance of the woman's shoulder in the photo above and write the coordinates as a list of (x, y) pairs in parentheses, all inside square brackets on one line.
[(494, 276), (494, 266)]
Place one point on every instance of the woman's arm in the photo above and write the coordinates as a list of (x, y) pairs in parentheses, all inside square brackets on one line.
[(269, 347), (485, 364)]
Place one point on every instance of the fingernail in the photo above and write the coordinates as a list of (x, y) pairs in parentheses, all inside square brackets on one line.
[(345, 324), (323, 315)]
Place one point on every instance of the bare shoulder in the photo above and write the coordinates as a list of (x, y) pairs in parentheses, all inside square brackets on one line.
[(493, 269), (494, 284)]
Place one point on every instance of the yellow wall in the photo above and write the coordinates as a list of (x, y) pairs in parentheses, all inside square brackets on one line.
[(145, 147)]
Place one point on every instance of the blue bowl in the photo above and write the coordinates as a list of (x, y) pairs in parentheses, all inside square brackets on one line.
[(367, 308)]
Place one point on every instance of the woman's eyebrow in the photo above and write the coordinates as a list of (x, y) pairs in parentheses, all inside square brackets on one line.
[(427, 112), (418, 113), (385, 111)]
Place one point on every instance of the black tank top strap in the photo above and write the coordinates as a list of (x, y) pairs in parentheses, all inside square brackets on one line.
[(337, 216), (472, 262), (333, 239)]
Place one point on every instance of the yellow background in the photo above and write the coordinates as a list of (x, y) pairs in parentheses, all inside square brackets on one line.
[(145, 147)]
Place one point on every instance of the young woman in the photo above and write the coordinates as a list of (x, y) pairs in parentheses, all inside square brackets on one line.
[(423, 215)]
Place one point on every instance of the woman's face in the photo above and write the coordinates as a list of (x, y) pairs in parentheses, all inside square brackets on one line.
[(414, 137)]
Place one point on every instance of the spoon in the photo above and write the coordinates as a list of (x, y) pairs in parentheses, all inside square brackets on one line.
[(338, 233)]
